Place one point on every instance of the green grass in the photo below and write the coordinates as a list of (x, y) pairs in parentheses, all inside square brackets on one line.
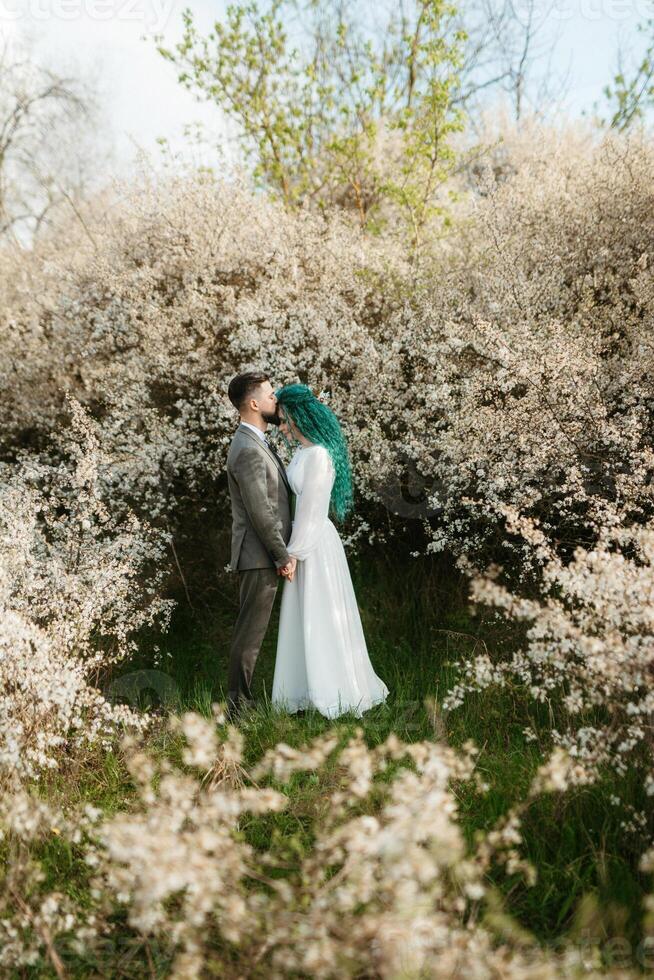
[(417, 626)]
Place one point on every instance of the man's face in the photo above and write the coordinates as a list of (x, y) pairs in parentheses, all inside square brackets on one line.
[(267, 402)]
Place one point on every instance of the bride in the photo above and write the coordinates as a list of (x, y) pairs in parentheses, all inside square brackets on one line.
[(322, 660)]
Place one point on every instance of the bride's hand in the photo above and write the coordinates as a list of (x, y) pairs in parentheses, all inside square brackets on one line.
[(288, 571)]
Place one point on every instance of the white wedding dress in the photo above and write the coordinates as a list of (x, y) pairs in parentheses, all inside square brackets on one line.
[(322, 660)]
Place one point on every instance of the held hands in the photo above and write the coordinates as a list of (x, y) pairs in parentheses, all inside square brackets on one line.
[(288, 571)]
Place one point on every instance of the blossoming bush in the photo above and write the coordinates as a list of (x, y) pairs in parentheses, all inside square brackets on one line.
[(589, 651), (529, 356), (387, 886), (73, 594), (193, 279), (511, 368)]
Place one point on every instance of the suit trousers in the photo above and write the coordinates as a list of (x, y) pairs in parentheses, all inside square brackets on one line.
[(257, 587)]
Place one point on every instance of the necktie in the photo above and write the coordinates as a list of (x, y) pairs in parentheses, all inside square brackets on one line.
[(275, 454), (272, 449)]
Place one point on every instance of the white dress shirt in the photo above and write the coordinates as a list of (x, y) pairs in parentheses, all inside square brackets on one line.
[(262, 435)]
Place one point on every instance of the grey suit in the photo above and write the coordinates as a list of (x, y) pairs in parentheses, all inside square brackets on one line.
[(261, 527)]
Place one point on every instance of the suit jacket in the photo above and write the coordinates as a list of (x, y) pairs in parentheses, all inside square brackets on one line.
[(260, 496)]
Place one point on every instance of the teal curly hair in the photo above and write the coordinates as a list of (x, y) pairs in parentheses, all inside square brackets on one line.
[(317, 422)]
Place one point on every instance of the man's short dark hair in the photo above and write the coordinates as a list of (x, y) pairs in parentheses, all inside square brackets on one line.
[(241, 387)]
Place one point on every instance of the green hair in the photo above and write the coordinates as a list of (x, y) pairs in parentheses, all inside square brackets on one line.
[(317, 422)]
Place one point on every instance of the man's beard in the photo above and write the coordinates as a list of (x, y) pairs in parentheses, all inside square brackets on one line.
[(271, 417)]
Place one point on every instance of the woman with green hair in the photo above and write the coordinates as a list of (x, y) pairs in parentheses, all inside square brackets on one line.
[(322, 660)]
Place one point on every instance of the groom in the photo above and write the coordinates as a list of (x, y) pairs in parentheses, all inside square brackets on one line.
[(261, 527)]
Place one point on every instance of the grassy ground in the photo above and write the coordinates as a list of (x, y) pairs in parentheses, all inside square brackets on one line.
[(418, 627)]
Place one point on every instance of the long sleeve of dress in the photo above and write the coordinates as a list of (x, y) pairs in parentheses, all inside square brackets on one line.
[(312, 504)]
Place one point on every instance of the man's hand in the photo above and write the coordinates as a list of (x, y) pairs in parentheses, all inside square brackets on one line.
[(288, 571)]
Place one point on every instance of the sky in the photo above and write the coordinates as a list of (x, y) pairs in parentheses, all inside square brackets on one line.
[(112, 41)]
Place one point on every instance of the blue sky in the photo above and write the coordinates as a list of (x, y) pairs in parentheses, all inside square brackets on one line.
[(144, 102), (590, 33)]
